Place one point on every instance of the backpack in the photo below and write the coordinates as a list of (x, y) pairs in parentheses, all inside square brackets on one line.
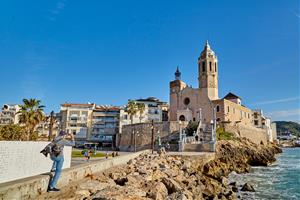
[(52, 148), (56, 149)]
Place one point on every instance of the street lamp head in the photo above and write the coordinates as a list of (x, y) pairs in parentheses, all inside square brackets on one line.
[(211, 122)]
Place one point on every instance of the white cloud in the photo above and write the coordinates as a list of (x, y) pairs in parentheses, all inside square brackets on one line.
[(60, 5), (277, 101), (288, 115)]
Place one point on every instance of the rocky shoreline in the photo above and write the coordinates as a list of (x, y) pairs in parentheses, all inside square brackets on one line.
[(162, 176)]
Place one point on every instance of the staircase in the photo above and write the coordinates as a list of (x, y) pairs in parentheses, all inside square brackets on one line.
[(204, 142), (205, 136), (197, 147)]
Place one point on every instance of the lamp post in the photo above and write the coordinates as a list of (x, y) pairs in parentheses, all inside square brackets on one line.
[(152, 136), (180, 137), (135, 133), (213, 124), (180, 131), (212, 130), (158, 140), (50, 126), (134, 142)]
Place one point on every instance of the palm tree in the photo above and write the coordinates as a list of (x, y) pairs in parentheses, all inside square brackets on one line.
[(31, 114), (132, 109), (141, 109)]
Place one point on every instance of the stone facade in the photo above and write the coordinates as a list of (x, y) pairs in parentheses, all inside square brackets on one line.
[(185, 101), (139, 135), (229, 112), (203, 103), (254, 134)]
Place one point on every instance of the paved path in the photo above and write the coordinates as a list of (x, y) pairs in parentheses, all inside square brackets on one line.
[(82, 160), (190, 153)]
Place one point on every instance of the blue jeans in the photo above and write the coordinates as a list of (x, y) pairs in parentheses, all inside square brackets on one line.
[(53, 165), (58, 162)]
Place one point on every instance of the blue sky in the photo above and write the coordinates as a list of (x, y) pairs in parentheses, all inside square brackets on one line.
[(110, 51)]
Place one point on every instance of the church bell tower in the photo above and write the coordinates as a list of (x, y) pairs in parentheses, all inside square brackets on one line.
[(208, 72)]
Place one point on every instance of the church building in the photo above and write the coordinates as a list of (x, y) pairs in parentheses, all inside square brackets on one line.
[(191, 104)]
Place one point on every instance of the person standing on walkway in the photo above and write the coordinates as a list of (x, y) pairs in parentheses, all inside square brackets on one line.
[(56, 155)]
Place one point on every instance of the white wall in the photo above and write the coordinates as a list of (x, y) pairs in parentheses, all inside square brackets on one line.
[(19, 159)]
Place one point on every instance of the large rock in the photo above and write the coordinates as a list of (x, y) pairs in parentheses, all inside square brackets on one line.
[(154, 176), (158, 191), (82, 193), (247, 188), (171, 185), (94, 185)]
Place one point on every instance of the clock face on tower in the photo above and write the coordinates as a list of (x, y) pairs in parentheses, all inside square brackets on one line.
[(211, 84)]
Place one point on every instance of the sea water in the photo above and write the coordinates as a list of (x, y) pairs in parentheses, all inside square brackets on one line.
[(281, 180)]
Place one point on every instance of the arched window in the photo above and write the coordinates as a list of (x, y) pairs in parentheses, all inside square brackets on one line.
[(181, 118), (215, 67), (203, 66), (218, 108), (209, 66)]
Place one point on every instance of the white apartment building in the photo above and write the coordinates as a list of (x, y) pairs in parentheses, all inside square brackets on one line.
[(8, 114), (155, 110), (263, 122), (77, 119), (106, 124)]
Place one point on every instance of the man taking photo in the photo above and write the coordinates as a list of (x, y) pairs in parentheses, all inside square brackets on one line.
[(56, 155)]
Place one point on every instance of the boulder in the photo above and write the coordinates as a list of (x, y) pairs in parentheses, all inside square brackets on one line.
[(82, 193), (234, 189), (171, 185), (94, 185), (131, 161), (247, 188), (158, 192), (161, 151)]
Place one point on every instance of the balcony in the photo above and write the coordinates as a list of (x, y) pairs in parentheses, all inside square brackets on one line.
[(77, 119), (104, 119), (109, 131), (6, 121)]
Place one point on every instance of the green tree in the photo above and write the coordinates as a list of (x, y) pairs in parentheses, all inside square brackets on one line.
[(132, 109), (292, 127), (141, 108), (12, 132), (191, 128), (31, 114)]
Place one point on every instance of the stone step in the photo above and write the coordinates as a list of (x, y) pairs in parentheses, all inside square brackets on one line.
[(197, 147)]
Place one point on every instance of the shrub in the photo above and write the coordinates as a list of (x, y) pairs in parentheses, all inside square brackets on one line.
[(223, 135), (12, 132)]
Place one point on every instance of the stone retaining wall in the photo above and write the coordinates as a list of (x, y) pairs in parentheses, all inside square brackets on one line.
[(140, 134), (256, 135), (31, 188)]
